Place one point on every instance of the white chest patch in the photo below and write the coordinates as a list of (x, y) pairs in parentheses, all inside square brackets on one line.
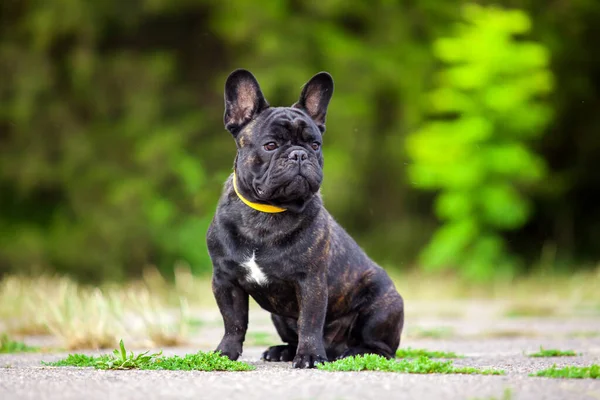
[(254, 272)]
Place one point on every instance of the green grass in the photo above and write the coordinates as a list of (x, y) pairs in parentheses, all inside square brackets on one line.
[(432, 333), (529, 310), (196, 323), (553, 353), (89, 317), (419, 365), (584, 334), (507, 395), (414, 353), (593, 371), (506, 333), (10, 346), (259, 339), (120, 359), (77, 360), (201, 361)]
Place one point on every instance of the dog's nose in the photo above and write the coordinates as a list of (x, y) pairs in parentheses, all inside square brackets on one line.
[(298, 155)]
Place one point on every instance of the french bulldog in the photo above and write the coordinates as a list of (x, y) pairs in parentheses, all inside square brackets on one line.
[(271, 238)]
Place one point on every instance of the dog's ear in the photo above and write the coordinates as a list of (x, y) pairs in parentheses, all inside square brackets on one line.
[(315, 97), (243, 100)]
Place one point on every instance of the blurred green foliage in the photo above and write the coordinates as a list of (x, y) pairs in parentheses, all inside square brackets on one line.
[(96, 171), (487, 107), (113, 152)]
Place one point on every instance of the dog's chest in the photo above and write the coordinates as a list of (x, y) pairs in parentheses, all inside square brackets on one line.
[(253, 271)]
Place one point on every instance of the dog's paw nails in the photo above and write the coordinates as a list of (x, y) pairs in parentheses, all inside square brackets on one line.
[(233, 356), (266, 356), (231, 350), (308, 360), (279, 353)]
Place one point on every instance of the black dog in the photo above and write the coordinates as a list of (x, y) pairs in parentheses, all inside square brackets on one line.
[(272, 239)]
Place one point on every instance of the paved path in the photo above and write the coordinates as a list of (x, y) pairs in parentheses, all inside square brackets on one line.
[(497, 343)]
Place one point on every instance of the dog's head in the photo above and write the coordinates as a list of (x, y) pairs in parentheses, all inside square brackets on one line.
[(279, 159)]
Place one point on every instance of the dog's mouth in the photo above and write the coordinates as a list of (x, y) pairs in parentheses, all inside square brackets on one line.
[(293, 188), (297, 187)]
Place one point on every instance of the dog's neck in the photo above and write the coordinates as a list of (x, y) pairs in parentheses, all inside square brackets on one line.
[(267, 226), (266, 208)]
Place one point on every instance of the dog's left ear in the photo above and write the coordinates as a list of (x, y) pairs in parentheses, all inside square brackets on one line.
[(315, 98)]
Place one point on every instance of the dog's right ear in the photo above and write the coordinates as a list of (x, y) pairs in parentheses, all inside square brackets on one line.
[(243, 100)]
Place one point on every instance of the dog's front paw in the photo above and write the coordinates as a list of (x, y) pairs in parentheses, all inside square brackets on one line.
[(308, 360), (284, 352), (231, 349)]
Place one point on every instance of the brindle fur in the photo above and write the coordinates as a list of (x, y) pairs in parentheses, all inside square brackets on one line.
[(327, 299)]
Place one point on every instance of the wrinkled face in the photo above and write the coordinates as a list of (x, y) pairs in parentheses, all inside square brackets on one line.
[(279, 159)]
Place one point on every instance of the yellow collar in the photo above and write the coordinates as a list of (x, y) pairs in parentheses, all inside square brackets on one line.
[(257, 206)]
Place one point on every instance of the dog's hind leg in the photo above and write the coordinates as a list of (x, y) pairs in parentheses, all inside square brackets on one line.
[(287, 328), (378, 328)]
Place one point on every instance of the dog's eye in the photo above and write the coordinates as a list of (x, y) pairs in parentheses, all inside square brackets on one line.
[(270, 146), (315, 146)]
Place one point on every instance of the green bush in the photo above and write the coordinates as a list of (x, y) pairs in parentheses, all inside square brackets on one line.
[(474, 150), (96, 171)]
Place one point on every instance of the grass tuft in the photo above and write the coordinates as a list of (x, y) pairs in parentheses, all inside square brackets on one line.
[(76, 360), (593, 372), (7, 345), (414, 353), (553, 353), (419, 365), (201, 361), (120, 360)]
